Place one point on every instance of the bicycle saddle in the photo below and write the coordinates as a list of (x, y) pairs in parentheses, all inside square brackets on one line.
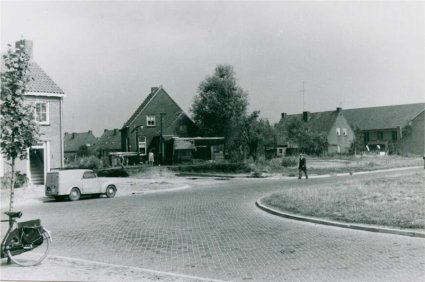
[(14, 214)]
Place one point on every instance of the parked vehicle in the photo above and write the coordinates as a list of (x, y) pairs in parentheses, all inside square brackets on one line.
[(22, 237), (77, 182)]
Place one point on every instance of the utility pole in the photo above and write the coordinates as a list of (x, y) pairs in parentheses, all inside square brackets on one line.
[(161, 157)]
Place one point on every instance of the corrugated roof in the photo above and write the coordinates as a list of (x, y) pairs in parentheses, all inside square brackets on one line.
[(385, 117), (73, 141), (41, 82), (110, 140)]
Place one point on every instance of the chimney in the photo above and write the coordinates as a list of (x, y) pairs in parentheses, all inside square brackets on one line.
[(66, 133), (282, 115), (339, 109), (115, 131), (105, 130), (306, 116), (90, 132), (154, 89), (27, 45), (73, 135)]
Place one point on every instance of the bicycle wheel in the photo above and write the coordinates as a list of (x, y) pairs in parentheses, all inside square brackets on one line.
[(32, 256)]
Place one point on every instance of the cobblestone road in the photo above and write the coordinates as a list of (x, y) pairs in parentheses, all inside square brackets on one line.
[(217, 232)]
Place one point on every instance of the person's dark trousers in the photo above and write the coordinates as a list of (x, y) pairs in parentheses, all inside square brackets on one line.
[(300, 173)]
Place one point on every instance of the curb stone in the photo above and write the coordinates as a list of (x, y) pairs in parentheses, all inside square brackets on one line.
[(376, 229)]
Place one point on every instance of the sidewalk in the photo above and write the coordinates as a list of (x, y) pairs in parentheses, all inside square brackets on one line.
[(55, 268)]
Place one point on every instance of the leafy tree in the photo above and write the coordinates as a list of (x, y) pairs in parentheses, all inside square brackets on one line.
[(220, 103), (308, 141), (358, 144), (19, 129), (219, 108), (256, 133)]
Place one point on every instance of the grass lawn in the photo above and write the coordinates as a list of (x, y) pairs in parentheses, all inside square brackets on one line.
[(337, 164), (393, 201)]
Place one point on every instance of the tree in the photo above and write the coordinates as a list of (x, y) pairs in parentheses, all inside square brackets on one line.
[(308, 141), (220, 103), (219, 108), (84, 151), (256, 133), (19, 129)]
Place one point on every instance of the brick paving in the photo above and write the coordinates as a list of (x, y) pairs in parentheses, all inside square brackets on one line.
[(217, 232)]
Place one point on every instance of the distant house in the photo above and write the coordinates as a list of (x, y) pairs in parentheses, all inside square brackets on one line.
[(393, 129), (47, 98), (160, 126), (332, 124), (73, 142), (109, 142), (155, 121)]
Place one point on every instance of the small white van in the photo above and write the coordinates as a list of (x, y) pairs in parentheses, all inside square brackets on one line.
[(76, 182)]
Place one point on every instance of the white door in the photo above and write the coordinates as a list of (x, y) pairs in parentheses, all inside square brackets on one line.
[(90, 183)]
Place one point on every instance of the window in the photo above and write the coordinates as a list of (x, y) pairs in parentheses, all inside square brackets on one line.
[(150, 120), (344, 131), (183, 129), (380, 135), (42, 112), (338, 131), (89, 174)]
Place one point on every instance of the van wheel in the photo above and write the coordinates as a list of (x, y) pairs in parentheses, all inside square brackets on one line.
[(111, 191), (75, 194)]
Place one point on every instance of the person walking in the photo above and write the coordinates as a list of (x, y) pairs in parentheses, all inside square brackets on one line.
[(302, 167)]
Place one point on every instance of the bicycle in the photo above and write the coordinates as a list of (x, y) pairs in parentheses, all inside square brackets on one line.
[(23, 237)]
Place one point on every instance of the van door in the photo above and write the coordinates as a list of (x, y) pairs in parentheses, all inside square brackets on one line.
[(90, 183)]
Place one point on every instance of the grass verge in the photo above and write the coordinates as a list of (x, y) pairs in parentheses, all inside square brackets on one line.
[(393, 201)]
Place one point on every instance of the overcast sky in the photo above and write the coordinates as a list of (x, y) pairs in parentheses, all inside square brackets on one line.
[(107, 55)]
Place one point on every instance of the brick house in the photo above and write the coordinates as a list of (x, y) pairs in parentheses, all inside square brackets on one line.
[(73, 142), (395, 129), (158, 115), (333, 124), (47, 98)]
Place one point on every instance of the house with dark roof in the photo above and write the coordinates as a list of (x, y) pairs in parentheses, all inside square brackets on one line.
[(391, 129), (395, 129), (331, 124), (47, 98), (109, 142), (156, 120), (73, 142)]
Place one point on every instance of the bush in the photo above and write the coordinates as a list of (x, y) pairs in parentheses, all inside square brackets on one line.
[(90, 162), (114, 172), (289, 162), (213, 167)]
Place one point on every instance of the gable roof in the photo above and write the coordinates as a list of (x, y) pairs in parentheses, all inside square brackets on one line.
[(141, 107), (154, 92), (40, 82), (73, 141), (110, 140), (385, 117)]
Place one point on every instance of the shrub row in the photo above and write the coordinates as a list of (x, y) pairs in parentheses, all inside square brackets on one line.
[(213, 167)]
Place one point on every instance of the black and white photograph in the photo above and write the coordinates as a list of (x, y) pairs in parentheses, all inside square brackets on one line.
[(212, 140)]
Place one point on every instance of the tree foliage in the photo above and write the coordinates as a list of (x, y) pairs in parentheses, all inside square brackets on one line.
[(19, 129), (308, 141), (220, 103), (256, 133)]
